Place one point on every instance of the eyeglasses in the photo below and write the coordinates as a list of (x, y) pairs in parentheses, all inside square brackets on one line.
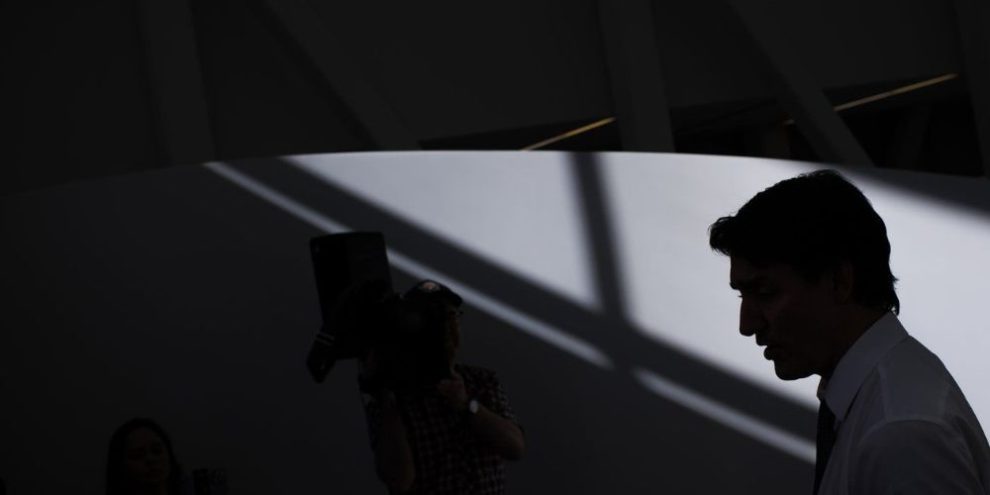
[(455, 312)]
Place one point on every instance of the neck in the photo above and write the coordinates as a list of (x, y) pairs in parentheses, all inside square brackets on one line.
[(848, 331)]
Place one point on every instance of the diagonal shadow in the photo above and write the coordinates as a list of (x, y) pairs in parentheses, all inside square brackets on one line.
[(622, 341), (600, 235)]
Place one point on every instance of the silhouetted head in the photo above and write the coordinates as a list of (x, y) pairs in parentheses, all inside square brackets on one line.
[(140, 459), (440, 300), (810, 256)]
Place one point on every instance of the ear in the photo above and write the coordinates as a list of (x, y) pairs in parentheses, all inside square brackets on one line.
[(843, 281)]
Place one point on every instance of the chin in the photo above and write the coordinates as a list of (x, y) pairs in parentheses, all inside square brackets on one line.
[(785, 372)]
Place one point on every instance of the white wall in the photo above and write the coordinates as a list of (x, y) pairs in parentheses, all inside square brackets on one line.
[(186, 295)]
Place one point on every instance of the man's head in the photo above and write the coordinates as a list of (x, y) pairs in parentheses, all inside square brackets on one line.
[(440, 300), (810, 258)]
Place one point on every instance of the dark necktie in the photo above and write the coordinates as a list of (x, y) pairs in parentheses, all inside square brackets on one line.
[(825, 440)]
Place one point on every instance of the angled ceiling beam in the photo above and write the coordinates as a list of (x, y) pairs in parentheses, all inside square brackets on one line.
[(797, 92), (182, 122), (973, 21), (330, 57), (638, 90), (569, 134)]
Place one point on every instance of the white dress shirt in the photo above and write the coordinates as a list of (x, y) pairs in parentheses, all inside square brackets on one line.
[(903, 425)]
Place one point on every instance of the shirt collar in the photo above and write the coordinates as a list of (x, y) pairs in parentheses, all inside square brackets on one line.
[(857, 363)]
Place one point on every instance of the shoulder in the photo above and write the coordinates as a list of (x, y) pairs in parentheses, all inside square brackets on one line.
[(477, 374), (914, 384), (914, 452), (909, 393), (889, 437), (474, 371)]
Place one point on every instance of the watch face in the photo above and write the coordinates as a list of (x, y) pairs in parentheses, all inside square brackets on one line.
[(473, 406)]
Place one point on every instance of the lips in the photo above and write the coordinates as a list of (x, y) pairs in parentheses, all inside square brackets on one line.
[(771, 352)]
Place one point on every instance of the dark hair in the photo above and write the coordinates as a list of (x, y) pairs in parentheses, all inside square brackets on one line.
[(116, 452), (429, 290), (811, 223)]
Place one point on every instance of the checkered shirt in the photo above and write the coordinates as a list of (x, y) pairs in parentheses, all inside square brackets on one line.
[(449, 458)]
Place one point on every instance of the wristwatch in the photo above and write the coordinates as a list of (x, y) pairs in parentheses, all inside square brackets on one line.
[(473, 406)]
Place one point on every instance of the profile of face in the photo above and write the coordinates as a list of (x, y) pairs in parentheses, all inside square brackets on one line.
[(792, 318), (147, 461)]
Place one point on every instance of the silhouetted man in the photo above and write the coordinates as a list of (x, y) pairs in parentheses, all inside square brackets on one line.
[(810, 259), (450, 437)]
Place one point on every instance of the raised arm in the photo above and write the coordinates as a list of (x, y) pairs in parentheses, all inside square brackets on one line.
[(501, 434)]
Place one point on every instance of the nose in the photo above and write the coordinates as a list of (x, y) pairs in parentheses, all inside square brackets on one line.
[(751, 319)]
